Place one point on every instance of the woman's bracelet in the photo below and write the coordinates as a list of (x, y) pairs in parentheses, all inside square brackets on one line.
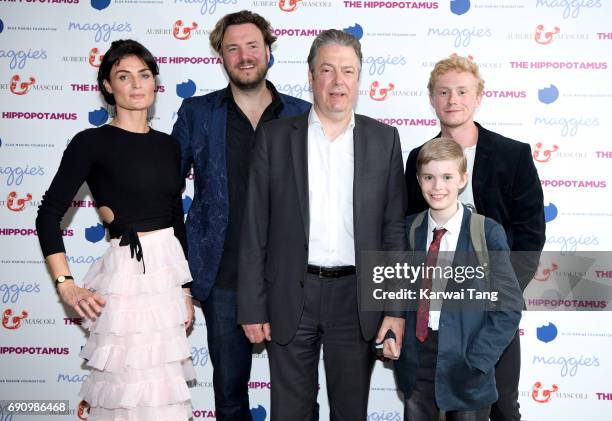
[(187, 295)]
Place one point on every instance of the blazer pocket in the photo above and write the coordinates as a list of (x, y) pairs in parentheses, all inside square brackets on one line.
[(474, 378), (374, 175), (496, 188), (495, 194)]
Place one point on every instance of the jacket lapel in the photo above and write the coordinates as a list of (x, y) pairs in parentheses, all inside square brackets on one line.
[(481, 163), (214, 133), (359, 156), (464, 235), (463, 245), (299, 155), (420, 235)]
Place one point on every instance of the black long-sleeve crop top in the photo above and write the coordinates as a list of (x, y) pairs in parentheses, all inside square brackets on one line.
[(136, 175)]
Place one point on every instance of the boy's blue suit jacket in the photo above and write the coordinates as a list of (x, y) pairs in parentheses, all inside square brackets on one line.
[(469, 342), (200, 130)]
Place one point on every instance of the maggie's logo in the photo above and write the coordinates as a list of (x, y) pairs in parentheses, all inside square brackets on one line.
[(543, 155), (179, 31), (545, 37), (83, 410), (542, 274), (13, 322), (23, 87), (542, 395), (17, 205), (95, 59), (288, 6), (380, 94)]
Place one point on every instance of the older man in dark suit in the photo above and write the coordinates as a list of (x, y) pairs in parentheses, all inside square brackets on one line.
[(503, 185), (324, 186)]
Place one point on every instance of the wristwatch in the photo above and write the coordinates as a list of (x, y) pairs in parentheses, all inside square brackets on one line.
[(60, 279)]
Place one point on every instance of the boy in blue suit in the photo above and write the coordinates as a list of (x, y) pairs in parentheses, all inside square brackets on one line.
[(448, 357)]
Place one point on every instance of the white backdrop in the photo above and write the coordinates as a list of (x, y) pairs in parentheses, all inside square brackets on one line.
[(547, 67)]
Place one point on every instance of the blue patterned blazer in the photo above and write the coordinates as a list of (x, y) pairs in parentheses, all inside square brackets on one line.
[(200, 130)]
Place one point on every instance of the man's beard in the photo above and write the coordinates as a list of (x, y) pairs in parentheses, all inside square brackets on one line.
[(260, 76)]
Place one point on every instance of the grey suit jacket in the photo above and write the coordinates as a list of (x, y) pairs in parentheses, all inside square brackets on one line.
[(274, 246)]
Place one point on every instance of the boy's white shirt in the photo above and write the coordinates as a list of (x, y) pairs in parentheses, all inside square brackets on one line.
[(448, 245)]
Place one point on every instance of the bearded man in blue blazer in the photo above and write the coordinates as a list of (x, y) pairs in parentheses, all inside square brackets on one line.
[(216, 133)]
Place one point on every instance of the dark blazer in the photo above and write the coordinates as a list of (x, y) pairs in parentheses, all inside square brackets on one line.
[(274, 250), (200, 130), (507, 189), (469, 342)]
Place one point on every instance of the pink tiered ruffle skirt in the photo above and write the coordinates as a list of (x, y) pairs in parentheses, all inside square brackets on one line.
[(137, 349)]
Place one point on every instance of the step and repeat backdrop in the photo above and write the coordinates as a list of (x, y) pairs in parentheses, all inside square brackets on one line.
[(548, 71)]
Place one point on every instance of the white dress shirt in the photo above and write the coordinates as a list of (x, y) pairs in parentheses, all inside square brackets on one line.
[(467, 195), (448, 245), (330, 193)]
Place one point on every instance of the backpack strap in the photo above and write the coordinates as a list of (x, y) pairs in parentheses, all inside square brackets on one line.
[(479, 242), (416, 222)]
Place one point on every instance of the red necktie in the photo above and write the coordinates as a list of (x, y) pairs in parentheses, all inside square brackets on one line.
[(430, 261)]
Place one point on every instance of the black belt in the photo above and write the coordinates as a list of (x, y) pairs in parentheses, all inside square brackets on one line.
[(331, 272)]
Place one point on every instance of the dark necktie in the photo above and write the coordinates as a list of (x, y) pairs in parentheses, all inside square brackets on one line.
[(430, 261)]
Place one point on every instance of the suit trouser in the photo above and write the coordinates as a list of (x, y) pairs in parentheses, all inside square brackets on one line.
[(329, 319), (507, 374), (421, 405)]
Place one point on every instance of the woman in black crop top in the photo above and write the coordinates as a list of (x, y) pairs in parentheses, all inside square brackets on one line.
[(136, 298)]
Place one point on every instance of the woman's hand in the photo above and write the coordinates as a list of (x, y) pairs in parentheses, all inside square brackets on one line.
[(87, 303), (189, 307)]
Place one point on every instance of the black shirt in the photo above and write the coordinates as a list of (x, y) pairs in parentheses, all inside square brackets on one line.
[(239, 141), (136, 175)]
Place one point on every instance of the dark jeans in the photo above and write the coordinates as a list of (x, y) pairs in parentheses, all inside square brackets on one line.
[(507, 374), (230, 354), (421, 406)]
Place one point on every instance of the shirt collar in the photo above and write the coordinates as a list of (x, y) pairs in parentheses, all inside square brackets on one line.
[(276, 104), (313, 120), (452, 226)]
